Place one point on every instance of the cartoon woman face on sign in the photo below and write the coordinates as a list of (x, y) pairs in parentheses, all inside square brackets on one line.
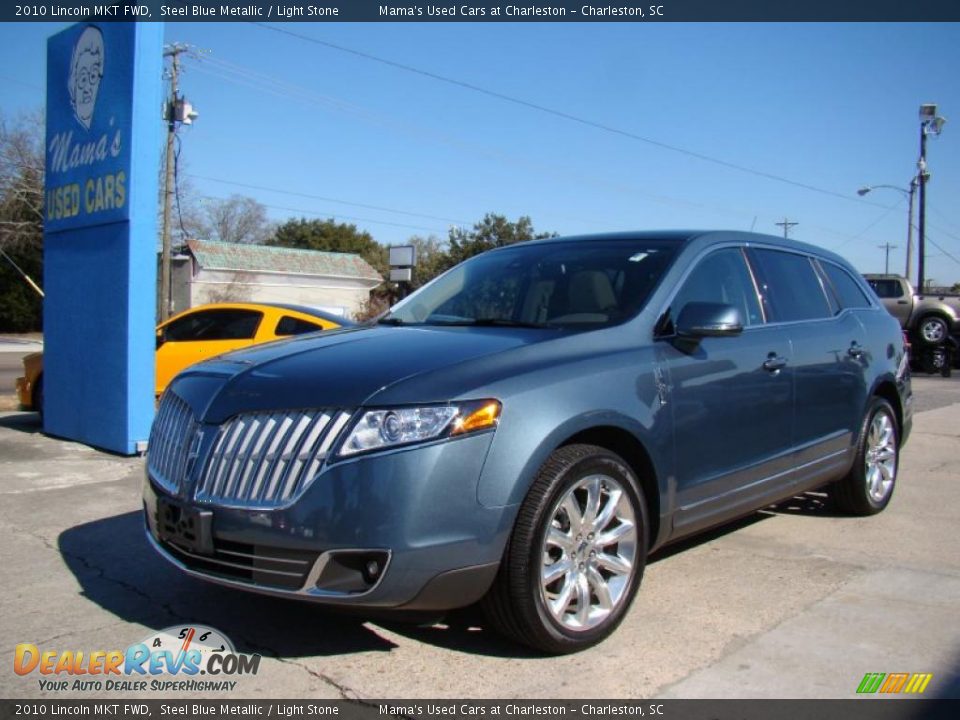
[(86, 69)]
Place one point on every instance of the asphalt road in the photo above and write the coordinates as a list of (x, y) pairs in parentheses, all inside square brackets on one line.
[(795, 601), (11, 367)]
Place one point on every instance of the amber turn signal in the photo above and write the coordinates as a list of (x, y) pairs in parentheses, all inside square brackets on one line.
[(484, 416)]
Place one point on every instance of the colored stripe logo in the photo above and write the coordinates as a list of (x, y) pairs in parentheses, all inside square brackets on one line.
[(891, 683)]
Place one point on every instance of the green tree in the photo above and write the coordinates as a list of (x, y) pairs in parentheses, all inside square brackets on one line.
[(21, 221), (492, 231), (331, 236), (432, 259)]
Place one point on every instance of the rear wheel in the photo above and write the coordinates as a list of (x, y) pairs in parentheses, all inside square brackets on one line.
[(576, 555), (868, 487), (933, 329)]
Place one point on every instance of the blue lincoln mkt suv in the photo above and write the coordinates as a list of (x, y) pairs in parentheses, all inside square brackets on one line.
[(524, 430)]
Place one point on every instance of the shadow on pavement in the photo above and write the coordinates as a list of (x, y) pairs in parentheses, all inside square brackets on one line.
[(25, 422), (119, 571), (816, 503)]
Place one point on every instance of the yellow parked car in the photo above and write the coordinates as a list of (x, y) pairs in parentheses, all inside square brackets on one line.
[(200, 333)]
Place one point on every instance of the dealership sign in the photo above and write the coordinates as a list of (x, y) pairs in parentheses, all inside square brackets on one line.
[(89, 100), (103, 143)]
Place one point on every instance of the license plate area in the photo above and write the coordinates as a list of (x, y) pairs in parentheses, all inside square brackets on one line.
[(186, 527)]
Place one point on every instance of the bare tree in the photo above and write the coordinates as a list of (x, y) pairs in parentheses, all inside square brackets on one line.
[(21, 221), (236, 219), (21, 182)]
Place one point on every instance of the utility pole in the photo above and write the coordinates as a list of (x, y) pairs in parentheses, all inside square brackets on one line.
[(176, 110), (913, 189), (173, 51), (921, 229), (930, 124), (786, 225), (886, 265)]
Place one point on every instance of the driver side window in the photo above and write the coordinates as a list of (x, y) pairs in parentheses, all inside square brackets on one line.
[(721, 277)]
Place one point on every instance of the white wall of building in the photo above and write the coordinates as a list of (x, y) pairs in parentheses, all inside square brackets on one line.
[(343, 296)]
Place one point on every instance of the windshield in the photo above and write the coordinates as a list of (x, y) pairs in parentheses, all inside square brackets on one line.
[(560, 284)]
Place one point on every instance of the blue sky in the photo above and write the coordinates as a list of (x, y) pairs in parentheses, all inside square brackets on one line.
[(827, 105)]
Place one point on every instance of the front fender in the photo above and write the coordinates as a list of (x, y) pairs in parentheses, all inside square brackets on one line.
[(513, 462)]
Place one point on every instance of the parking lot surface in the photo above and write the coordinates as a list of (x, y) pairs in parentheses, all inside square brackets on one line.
[(795, 601)]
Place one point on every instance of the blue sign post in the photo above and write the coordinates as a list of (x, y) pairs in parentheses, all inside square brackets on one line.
[(103, 149)]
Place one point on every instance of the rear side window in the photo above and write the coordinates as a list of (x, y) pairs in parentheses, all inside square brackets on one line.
[(790, 286), (721, 277), (847, 289), (289, 325), (887, 288), (214, 325)]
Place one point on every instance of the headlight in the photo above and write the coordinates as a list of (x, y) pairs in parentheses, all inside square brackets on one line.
[(379, 429)]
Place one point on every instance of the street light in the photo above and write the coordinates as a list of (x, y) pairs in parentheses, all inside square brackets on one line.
[(930, 124), (909, 193)]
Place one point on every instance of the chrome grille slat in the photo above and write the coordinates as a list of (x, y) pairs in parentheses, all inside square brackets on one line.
[(263, 558), (168, 450), (268, 459), (217, 561), (269, 446)]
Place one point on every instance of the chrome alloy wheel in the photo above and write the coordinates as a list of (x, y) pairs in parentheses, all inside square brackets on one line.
[(880, 459), (589, 552), (933, 330)]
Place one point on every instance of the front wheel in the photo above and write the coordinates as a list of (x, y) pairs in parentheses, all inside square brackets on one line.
[(576, 555), (868, 487)]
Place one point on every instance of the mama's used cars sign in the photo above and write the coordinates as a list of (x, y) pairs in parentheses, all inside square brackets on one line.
[(89, 89), (103, 144)]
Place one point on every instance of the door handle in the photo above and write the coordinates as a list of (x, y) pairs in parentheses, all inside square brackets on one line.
[(855, 351), (774, 363), (902, 302)]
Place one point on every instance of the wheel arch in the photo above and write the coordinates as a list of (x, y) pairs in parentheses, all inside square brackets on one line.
[(625, 444), (940, 314), (886, 388)]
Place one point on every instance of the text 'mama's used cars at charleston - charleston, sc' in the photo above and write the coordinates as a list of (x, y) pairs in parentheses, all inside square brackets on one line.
[(526, 428)]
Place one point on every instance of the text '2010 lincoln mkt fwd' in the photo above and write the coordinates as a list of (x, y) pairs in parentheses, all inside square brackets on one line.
[(526, 428)]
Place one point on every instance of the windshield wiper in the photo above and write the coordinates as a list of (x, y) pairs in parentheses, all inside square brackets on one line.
[(391, 320)]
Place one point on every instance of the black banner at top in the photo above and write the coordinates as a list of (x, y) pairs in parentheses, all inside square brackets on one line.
[(483, 11)]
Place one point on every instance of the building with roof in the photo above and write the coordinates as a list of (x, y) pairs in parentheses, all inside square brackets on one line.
[(338, 283)]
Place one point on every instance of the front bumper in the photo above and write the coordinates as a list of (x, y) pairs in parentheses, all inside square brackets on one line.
[(415, 511)]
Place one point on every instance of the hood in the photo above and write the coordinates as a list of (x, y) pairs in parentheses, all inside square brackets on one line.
[(339, 369)]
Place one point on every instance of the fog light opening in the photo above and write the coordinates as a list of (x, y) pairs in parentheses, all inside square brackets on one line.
[(350, 572)]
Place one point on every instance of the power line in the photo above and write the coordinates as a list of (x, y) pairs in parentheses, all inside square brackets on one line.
[(335, 216), (255, 79), (557, 113), (251, 186)]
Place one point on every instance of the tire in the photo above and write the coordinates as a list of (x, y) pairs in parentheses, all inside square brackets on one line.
[(933, 329), (868, 487), (561, 588)]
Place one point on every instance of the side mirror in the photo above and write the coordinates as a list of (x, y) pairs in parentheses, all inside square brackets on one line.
[(703, 319)]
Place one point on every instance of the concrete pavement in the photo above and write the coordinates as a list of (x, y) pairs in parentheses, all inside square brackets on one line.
[(791, 602)]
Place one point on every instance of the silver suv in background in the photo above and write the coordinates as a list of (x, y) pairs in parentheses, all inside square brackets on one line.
[(930, 318)]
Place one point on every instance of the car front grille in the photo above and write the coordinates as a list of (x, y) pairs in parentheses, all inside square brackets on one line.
[(256, 564), (168, 450), (267, 460)]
